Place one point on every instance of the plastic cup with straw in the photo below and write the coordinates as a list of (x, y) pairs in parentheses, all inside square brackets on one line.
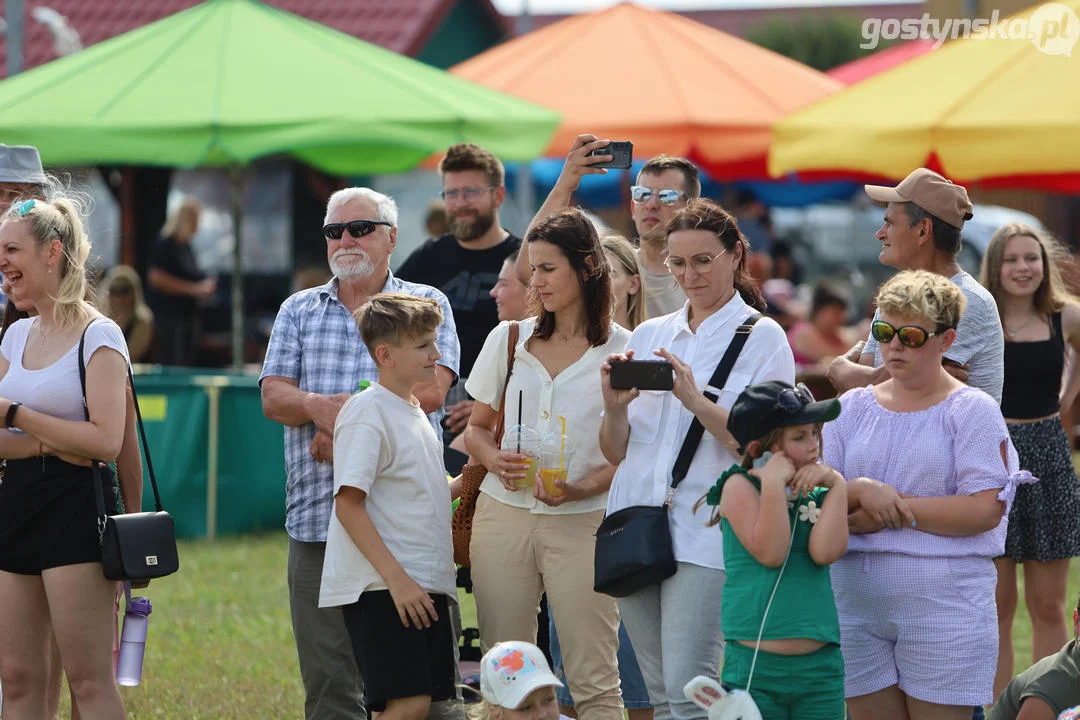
[(555, 462), (526, 441)]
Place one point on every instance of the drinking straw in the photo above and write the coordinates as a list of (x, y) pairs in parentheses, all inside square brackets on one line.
[(521, 393), (562, 441)]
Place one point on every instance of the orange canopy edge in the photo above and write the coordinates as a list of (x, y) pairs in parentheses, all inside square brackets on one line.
[(662, 81)]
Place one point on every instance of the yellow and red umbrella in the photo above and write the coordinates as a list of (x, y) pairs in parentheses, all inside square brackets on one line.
[(1000, 112)]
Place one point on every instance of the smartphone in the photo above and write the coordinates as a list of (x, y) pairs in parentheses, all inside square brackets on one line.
[(623, 153), (642, 374)]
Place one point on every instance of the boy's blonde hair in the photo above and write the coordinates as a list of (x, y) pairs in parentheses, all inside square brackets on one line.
[(923, 294), (394, 317)]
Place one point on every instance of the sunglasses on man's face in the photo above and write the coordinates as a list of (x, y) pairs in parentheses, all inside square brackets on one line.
[(667, 196), (911, 336), (356, 228)]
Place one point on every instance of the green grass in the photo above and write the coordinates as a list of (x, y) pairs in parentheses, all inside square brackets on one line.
[(221, 646)]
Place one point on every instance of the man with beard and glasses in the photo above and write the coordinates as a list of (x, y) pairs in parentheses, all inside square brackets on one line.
[(664, 186), (465, 262), (314, 361)]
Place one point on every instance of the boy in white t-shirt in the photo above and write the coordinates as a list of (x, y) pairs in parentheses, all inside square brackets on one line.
[(389, 555)]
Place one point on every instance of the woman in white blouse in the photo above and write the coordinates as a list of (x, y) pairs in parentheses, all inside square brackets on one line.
[(524, 540), (675, 626)]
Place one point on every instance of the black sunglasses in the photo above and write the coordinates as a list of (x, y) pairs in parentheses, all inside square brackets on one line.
[(356, 228), (911, 336)]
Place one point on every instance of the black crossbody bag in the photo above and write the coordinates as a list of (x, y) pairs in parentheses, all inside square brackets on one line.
[(134, 546), (633, 545)]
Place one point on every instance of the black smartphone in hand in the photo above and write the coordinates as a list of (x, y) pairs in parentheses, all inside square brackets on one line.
[(642, 374), (622, 155)]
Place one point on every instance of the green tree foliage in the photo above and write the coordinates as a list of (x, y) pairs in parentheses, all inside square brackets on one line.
[(822, 42)]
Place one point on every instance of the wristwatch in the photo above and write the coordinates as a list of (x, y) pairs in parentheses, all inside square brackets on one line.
[(10, 417)]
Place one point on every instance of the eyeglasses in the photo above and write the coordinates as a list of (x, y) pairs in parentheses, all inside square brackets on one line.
[(356, 228), (792, 400), (119, 291), (701, 263), (911, 336), (667, 196), (466, 194)]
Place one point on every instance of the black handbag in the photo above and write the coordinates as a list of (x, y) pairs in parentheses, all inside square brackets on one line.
[(134, 546), (633, 545)]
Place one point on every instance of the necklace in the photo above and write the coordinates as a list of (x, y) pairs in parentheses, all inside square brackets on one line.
[(1013, 332), (45, 336)]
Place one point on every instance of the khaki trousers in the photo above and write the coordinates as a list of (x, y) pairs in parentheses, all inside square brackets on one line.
[(516, 557)]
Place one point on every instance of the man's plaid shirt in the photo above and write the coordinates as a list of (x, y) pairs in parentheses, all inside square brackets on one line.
[(315, 341)]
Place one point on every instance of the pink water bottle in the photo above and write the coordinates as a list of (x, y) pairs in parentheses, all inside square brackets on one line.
[(133, 641)]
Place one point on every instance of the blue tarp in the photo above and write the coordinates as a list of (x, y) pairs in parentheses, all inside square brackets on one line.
[(604, 191)]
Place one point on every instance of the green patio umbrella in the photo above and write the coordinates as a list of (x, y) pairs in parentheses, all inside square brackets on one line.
[(229, 81)]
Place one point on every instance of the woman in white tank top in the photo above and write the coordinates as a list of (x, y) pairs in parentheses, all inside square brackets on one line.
[(50, 557)]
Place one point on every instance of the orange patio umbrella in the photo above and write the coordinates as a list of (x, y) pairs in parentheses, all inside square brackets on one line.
[(668, 84)]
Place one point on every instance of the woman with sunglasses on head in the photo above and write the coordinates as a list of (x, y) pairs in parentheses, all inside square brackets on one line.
[(122, 301), (50, 555), (675, 625), (931, 476), (1021, 270)]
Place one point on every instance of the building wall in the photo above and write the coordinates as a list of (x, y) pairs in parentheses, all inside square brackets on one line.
[(468, 30)]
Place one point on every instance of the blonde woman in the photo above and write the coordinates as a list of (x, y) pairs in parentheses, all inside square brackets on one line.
[(122, 300), (1021, 271), (178, 285), (625, 281), (50, 557), (931, 476)]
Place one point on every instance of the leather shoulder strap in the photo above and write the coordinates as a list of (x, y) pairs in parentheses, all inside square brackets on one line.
[(511, 351)]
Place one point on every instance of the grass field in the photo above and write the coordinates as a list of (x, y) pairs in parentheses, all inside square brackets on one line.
[(220, 643)]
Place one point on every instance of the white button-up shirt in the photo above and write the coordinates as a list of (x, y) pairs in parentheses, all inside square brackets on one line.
[(659, 422), (574, 393)]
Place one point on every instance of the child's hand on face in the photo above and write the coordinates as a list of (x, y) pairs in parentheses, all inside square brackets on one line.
[(779, 469), (811, 476)]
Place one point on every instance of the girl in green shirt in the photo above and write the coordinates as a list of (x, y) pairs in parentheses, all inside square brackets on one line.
[(783, 525)]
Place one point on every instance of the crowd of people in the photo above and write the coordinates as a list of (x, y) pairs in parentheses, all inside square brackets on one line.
[(843, 557)]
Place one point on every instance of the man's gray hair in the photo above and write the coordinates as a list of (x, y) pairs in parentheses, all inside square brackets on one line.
[(384, 204)]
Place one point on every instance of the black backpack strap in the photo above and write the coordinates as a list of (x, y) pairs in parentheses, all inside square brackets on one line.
[(719, 378)]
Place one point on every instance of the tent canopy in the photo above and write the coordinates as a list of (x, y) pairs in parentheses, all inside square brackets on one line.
[(229, 81), (669, 84), (998, 111), (866, 67)]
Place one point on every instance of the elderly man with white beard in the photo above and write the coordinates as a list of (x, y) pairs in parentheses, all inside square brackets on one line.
[(314, 361)]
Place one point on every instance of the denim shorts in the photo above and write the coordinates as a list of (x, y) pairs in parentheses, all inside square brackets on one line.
[(634, 693)]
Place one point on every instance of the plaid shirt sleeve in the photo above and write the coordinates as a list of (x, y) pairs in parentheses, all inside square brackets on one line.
[(283, 353), (446, 338)]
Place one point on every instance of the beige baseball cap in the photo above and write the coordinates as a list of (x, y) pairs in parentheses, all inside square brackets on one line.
[(934, 193)]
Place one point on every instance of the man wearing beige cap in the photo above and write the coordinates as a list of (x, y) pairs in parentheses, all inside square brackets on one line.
[(921, 231)]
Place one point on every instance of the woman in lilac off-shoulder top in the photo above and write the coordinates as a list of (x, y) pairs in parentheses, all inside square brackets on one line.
[(932, 474)]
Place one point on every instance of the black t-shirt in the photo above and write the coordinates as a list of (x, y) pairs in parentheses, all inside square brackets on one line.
[(177, 259), (466, 277)]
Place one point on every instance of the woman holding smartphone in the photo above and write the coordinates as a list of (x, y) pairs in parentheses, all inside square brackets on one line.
[(675, 626)]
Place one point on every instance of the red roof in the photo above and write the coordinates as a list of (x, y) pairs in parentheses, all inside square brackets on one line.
[(865, 67), (739, 21), (403, 26)]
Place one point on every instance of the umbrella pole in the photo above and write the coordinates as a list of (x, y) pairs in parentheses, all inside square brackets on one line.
[(237, 186)]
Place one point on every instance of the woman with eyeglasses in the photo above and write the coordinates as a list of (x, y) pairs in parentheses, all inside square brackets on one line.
[(123, 302), (675, 625), (1021, 269), (931, 476)]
